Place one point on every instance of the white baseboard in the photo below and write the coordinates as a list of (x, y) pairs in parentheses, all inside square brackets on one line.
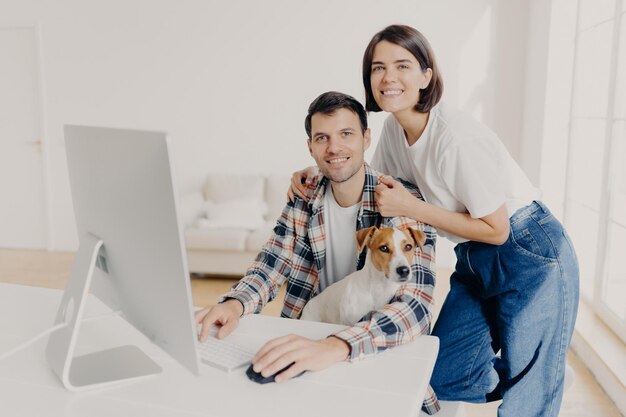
[(603, 353)]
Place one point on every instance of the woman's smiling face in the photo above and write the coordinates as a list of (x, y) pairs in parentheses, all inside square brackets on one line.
[(396, 77)]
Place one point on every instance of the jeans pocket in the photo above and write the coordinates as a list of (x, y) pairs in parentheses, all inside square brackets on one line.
[(524, 242)]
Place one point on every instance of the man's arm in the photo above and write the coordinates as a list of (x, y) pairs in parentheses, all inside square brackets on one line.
[(409, 313), (262, 280), (271, 267), (406, 317)]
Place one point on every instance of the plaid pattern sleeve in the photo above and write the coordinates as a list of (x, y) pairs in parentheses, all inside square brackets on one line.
[(274, 263), (430, 405), (408, 313)]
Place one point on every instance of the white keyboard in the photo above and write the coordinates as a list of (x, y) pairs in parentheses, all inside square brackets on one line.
[(224, 355)]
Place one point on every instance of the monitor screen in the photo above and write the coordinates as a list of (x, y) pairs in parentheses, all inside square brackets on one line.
[(124, 196)]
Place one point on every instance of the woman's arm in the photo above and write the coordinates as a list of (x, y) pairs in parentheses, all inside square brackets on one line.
[(492, 228), (394, 200)]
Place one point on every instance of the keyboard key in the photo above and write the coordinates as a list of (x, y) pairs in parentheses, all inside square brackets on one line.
[(224, 355)]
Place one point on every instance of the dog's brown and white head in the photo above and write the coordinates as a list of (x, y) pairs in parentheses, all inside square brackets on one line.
[(391, 250)]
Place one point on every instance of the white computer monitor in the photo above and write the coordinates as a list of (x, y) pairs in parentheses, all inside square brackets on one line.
[(131, 255)]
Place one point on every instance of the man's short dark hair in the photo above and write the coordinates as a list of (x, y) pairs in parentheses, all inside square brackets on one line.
[(417, 44), (332, 101)]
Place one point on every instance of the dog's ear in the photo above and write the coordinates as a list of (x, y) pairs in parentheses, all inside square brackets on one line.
[(363, 236), (418, 236)]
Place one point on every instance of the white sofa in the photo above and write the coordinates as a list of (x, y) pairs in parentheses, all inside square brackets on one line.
[(229, 220)]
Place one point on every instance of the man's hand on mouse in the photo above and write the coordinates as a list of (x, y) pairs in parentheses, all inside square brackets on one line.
[(305, 354), (225, 316)]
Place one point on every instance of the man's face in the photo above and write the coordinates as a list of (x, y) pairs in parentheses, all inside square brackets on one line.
[(337, 144)]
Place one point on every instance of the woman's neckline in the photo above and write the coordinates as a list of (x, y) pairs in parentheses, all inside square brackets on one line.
[(418, 129)]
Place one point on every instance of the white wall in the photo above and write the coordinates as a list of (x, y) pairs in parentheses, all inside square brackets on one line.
[(231, 81), (549, 71)]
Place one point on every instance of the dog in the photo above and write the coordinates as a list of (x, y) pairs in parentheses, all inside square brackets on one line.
[(387, 266)]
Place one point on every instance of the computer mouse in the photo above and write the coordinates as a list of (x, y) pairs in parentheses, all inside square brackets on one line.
[(260, 379)]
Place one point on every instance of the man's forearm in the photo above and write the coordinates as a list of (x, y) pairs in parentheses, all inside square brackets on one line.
[(253, 292)]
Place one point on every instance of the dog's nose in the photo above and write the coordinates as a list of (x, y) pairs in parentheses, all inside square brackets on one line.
[(403, 271)]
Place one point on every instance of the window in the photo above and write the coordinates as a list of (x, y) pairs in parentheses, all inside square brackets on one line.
[(595, 197)]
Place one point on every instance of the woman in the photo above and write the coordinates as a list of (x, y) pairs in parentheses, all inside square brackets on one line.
[(515, 285)]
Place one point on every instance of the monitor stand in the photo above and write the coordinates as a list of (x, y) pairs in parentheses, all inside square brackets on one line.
[(98, 369)]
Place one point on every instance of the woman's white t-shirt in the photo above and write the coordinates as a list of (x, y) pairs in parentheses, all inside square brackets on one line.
[(458, 164)]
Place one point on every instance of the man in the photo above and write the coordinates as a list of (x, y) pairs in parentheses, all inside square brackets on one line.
[(313, 245)]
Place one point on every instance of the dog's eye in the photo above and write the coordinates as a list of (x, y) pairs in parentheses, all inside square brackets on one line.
[(408, 247), (384, 249)]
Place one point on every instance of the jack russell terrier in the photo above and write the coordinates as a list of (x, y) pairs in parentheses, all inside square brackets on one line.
[(387, 266)]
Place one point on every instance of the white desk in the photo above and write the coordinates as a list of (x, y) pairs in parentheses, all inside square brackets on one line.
[(391, 384)]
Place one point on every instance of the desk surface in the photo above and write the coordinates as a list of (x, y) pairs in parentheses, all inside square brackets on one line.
[(393, 383)]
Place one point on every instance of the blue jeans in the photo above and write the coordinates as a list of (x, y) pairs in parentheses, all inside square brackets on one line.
[(519, 298)]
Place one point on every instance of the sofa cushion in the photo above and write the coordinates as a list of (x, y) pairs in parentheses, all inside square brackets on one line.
[(257, 238), (276, 195), (190, 207), (225, 187), (216, 239), (237, 214)]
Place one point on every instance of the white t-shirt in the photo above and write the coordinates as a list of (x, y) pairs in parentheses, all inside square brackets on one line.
[(458, 164), (340, 228)]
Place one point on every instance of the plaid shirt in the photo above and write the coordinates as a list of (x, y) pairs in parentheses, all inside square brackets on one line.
[(296, 253)]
